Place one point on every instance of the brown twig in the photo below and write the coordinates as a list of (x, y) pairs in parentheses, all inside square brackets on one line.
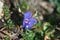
[(46, 38)]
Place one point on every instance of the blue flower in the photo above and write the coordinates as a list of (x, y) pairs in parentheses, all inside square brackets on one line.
[(28, 21)]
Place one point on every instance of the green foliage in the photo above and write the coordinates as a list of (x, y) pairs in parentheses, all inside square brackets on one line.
[(58, 8), (46, 25), (7, 38), (48, 29), (54, 1), (57, 2), (23, 6), (45, 29), (6, 11), (38, 24), (29, 35), (9, 22)]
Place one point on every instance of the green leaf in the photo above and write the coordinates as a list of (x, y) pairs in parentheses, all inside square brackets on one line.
[(54, 1), (24, 6), (38, 25), (7, 38), (46, 25), (10, 24), (6, 11), (58, 9), (29, 35), (50, 30)]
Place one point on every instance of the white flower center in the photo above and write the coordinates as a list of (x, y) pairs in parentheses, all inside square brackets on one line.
[(27, 26), (26, 20)]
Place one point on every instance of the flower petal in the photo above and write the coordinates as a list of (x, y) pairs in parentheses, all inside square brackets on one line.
[(28, 15), (33, 21)]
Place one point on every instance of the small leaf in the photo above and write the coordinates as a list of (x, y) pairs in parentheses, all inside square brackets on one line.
[(58, 9), (38, 25), (46, 25), (7, 38), (24, 6), (29, 35)]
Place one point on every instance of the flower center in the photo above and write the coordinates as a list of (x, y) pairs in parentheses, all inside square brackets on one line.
[(26, 20), (27, 26)]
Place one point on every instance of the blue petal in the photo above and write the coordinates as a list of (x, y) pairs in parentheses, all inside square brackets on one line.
[(33, 21), (28, 15)]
